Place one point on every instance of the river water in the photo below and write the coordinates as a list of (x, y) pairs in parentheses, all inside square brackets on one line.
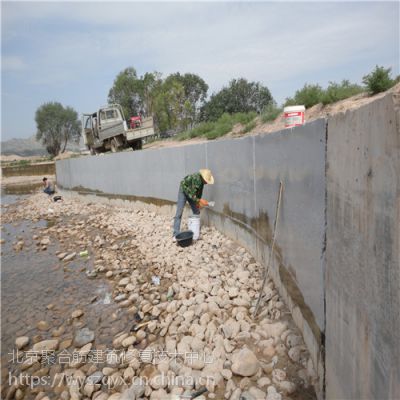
[(36, 286)]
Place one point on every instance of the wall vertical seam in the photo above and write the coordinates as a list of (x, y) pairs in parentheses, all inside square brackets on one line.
[(324, 265)]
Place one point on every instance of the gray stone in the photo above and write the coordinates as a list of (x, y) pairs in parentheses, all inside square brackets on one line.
[(286, 387), (247, 396), (96, 377), (83, 336), (257, 393), (272, 394), (138, 386), (245, 363), (77, 313), (128, 394), (263, 382), (91, 274), (21, 342), (69, 257), (43, 325), (50, 344)]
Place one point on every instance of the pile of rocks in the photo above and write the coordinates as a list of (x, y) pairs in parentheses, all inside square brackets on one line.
[(192, 326)]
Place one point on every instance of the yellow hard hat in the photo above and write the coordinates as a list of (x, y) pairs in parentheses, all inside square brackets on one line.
[(207, 176)]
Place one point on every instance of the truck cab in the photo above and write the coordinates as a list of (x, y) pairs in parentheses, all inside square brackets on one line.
[(106, 129)]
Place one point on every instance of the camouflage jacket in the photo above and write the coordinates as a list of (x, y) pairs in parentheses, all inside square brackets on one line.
[(192, 186)]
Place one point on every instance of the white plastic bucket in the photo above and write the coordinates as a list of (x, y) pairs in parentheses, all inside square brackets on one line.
[(294, 116), (194, 226)]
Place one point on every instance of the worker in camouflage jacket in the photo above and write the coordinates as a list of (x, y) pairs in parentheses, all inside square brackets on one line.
[(191, 190)]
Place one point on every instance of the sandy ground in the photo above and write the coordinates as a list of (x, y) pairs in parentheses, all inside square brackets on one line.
[(189, 311)]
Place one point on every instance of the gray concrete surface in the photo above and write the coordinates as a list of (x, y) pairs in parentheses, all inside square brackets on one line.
[(363, 243)]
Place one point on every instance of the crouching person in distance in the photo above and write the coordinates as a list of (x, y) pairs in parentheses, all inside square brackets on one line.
[(49, 187)]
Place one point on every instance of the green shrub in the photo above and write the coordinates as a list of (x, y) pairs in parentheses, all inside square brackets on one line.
[(340, 91), (20, 163), (249, 127), (199, 130), (243, 118), (223, 125), (378, 80), (308, 96), (183, 136), (270, 113)]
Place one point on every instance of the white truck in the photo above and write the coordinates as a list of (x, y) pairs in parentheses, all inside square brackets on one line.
[(107, 129)]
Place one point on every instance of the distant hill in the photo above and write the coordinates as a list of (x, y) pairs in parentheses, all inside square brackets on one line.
[(27, 147)]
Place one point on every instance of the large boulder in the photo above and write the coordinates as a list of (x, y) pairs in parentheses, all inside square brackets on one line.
[(245, 363)]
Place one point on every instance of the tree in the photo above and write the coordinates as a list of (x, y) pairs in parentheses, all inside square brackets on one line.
[(56, 126), (378, 80), (126, 92), (150, 83), (239, 96), (195, 89), (169, 106), (175, 102), (134, 94)]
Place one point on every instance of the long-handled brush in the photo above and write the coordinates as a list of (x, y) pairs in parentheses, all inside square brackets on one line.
[(278, 206)]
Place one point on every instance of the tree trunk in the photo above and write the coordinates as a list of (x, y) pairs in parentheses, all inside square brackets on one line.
[(65, 144)]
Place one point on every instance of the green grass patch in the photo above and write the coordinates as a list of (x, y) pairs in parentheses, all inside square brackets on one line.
[(271, 113), (219, 130), (20, 163), (223, 125), (249, 127), (340, 91)]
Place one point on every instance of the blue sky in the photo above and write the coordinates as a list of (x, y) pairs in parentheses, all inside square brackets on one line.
[(71, 51)]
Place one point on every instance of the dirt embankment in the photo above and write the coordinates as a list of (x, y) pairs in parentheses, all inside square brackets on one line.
[(311, 114)]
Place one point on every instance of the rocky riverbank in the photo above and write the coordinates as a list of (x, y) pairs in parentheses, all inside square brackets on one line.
[(182, 318)]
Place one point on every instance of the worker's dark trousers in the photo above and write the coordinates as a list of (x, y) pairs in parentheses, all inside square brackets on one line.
[(180, 205)]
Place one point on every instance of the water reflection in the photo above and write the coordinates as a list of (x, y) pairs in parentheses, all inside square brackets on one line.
[(36, 286), (20, 189)]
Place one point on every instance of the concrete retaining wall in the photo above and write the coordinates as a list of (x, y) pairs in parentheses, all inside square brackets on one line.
[(29, 170), (363, 243), (338, 242)]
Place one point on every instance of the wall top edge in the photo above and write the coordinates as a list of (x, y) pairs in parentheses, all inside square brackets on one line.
[(281, 132)]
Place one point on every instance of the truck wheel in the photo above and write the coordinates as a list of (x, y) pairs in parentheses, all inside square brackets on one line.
[(137, 145), (114, 145), (92, 151)]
